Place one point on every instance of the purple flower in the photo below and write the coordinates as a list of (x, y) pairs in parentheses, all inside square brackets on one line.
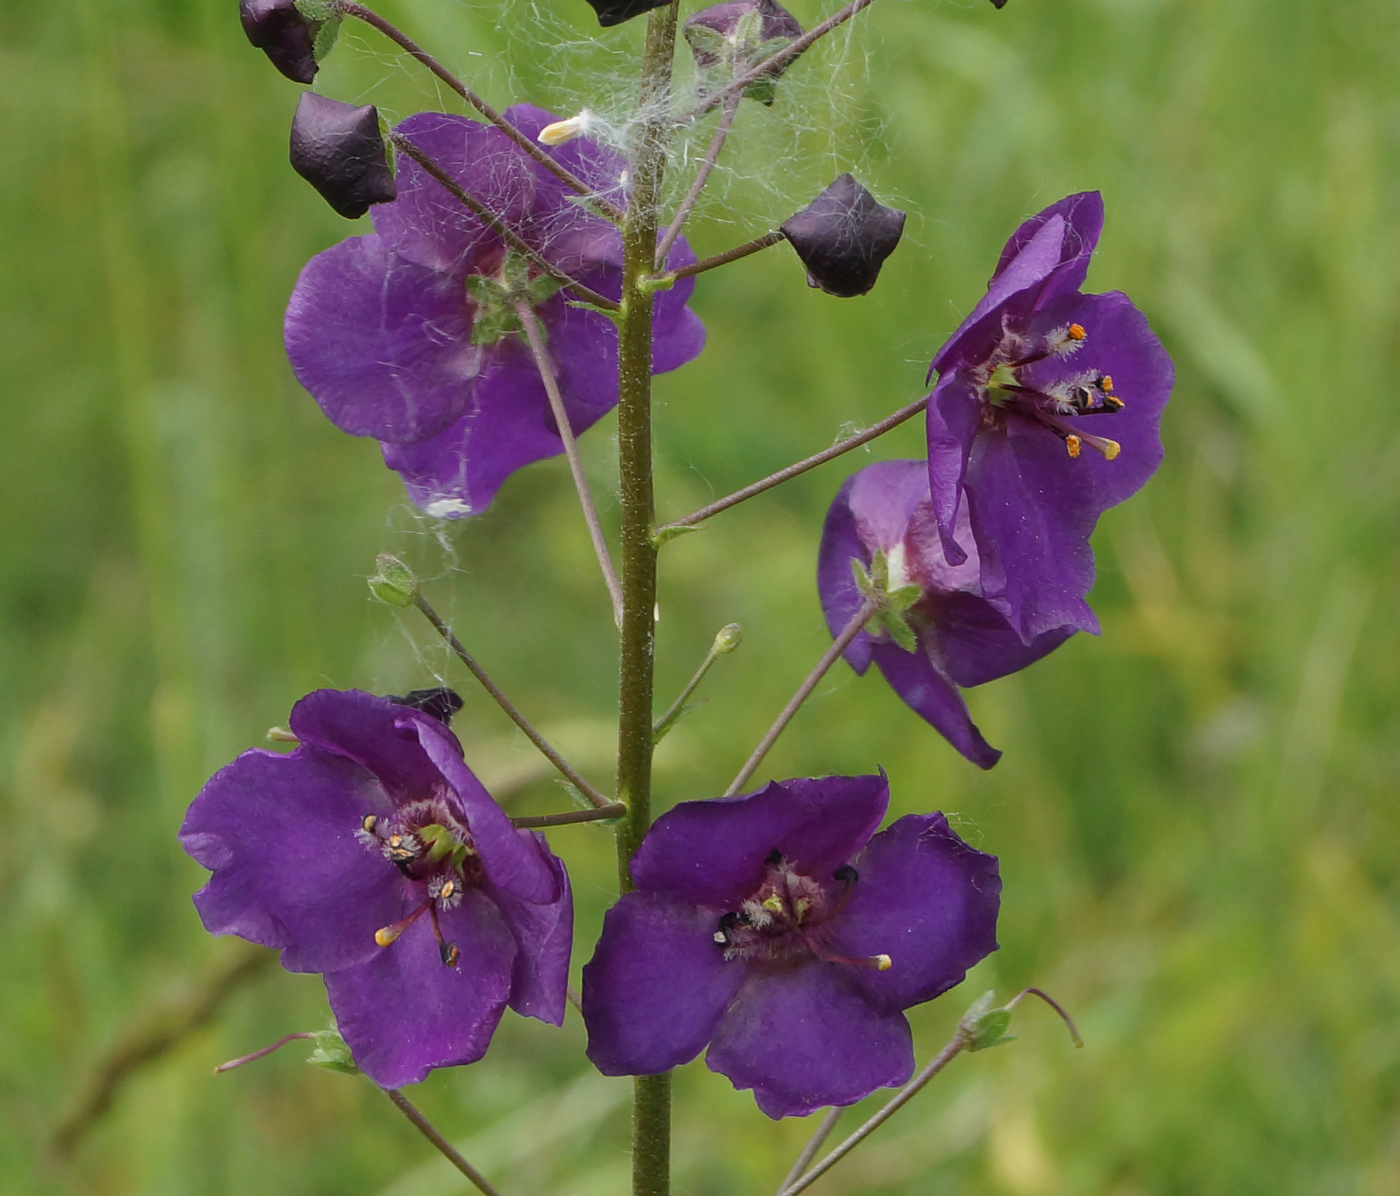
[(373, 855), (959, 637), (1010, 419), (776, 929), (410, 334)]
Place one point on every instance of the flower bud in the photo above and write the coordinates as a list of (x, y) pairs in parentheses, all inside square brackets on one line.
[(440, 701), (614, 12), (742, 33), (728, 639), (339, 150), (279, 30), (999, 3), (843, 238), (394, 583)]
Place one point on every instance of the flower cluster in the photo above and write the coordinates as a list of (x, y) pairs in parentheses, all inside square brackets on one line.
[(411, 333), (372, 854)]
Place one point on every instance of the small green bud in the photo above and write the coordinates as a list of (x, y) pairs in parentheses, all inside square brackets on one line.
[(332, 1053), (394, 583), (729, 638), (985, 1027)]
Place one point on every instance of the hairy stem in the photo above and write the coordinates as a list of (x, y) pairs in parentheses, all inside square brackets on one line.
[(792, 471), (484, 679), (702, 176), (611, 810), (406, 43), (720, 259), (809, 1152), (776, 61), (804, 691), (426, 1128), (956, 1045), (651, 1099), (494, 222), (566, 434)]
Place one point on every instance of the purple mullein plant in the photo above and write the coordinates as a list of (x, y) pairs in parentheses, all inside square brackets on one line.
[(372, 854), (781, 930), (1036, 375), (411, 335), (954, 636)]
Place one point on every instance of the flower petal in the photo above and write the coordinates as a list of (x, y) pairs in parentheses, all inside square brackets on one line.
[(382, 344), (805, 1037), (544, 934), (657, 985), (404, 1012), (836, 585), (953, 418), (376, 733), (513, 862), (278, 832), (712, 853), (930, 693), (928, 901)]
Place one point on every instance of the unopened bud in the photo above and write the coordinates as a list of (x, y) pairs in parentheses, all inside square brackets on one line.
[(843, 238), (744, 32), (728, 639), (394, 583), (614, 12), (440, 701), (565, 130), (999, 3), (339, 150), (280, 30)]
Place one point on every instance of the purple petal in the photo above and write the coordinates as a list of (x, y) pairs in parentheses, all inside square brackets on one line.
[(930, 693), (513, 862), (1082, 214), (805, 1037), (544, 935), (374, 732), (278, 832), (1121, 345), (928, 901), (977, 644), (602, 168), (836, 584), (712, 852), (1032, 514), (382, 344), (657, 985), (404, 1012), (953, 419), (677, 334)]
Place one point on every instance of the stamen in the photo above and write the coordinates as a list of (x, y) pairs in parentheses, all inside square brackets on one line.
[(449, 953), (1109, 448), (565, 130), (1076, 332)]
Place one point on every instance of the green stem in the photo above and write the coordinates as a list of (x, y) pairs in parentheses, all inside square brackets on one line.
[(651, 1115)]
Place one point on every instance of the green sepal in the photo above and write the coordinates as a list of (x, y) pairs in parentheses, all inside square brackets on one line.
[(903, 598), (326, 37), (900, 631), (394, 583), (749, 29), (704, 40), (764, 89), (316, 10), (545, 286), (493, 324), (984, 1027), (862, 578), (332, 1054)]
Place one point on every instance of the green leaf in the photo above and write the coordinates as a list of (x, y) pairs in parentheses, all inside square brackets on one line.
[(764, 89)]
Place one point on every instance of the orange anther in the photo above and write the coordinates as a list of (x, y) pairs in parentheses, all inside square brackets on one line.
[(1076, 332), (1072, 444)]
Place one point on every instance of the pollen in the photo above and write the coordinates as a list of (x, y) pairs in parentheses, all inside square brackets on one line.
[(1076, 332), (883, 963), (1072, 444), (1110, 449), (369, 823), (388, 934), (773, 903)]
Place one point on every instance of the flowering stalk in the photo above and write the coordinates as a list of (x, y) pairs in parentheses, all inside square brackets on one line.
[(804, 691), (429, 1131), (406, 43), (719, 259), (800, 467), (809, 1152), (702, 176), (566, 434)]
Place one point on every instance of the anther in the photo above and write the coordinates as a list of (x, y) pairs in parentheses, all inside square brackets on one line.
[(1109, 448), (449, 953), (774, 857), (1076, 332), (1072, 444), (368, 824), (847, 874), (388, 934), (564, 130)]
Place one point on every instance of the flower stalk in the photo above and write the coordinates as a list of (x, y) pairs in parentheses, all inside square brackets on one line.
[(430, 1132), (719, 259), (702, 176)]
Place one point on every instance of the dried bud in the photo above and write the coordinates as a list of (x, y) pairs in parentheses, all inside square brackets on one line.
[(279, 30), (440, 701), (339, 150), (741, 33), (614, 12), (843, 238)]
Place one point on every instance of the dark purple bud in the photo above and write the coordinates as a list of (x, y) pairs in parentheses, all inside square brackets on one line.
[(999, 3), (614, 12), (339, 150), (843, 238), (279, 30), (774, 22), (440, 701)]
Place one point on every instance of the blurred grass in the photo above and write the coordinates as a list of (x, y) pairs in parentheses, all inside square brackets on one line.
[(1196, 813)]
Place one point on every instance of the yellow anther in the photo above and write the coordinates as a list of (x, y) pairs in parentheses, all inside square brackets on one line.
[(451, 955), (773, 903), (448, 888), (369, 823), (884, 963), (1109, 448), (1072, 444), (395, 840), (1115, 402), (1106, 384), (387, 934), (1076, 332), (281, 735), (564, 130)]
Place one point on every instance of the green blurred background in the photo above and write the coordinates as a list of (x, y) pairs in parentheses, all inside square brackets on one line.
[(1196, 813)]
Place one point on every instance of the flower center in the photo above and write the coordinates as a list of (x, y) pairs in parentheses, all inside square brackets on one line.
[(493, 297), (434, 850), (1005, 387), (787, 918)]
